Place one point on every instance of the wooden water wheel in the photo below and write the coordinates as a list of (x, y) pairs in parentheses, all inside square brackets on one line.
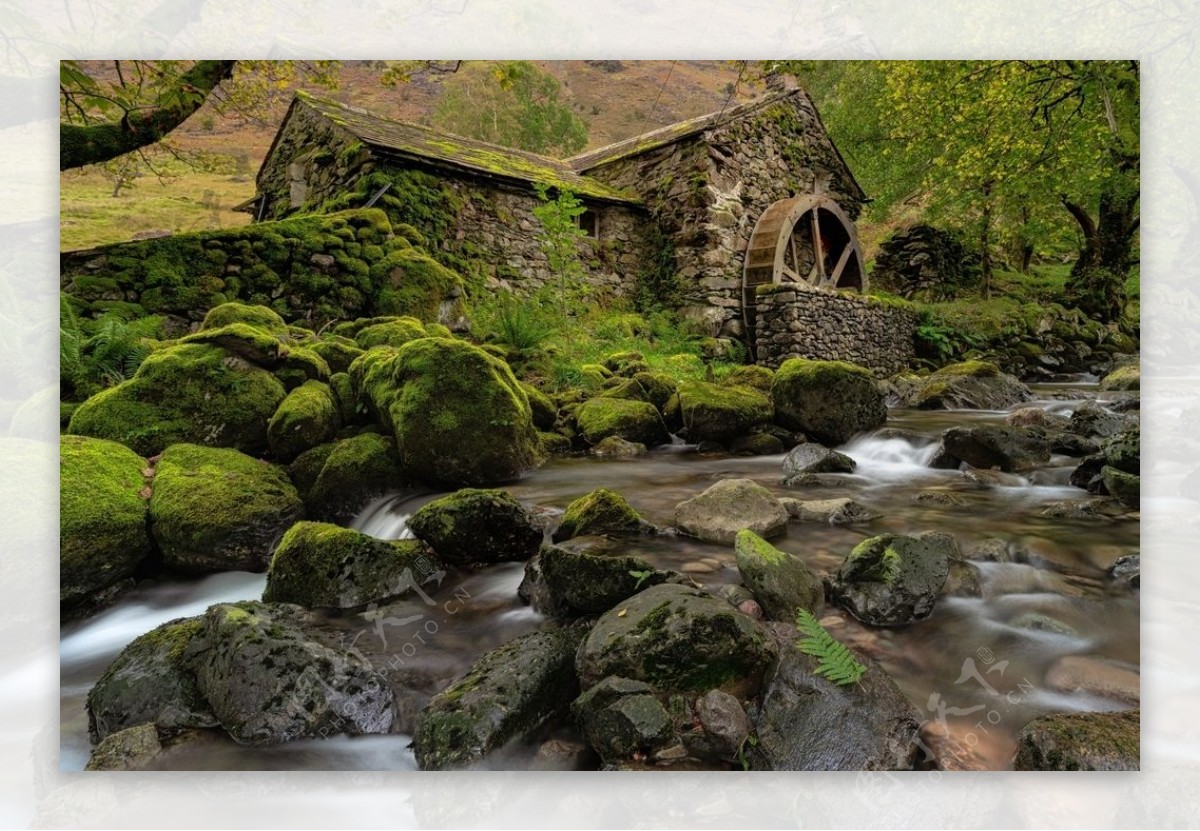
[(804, 239)]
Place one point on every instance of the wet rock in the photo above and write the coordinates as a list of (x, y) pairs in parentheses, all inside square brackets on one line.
[(508, 693), (1087, 475), (828, 400), (779, 581), (1036, 417), (564, 583), (1123, 378), (727, 507), (1038, 622), (807, 722), (354, 472), (102, 516), (150, 682), (841, 511), (758, 444), (563, 754), (943, 459), (1069, 444), (1080, 741), (620, 718), (319, 565), (602, 511), (1124, 451), (677, 639), (991, 550), (719, 412), (964, 580), (811, 458), (972, 385), (724, 727), (992, 478), (269, 679), (940, 498), (1129, 569), (634, 421), (1125, 487), (308, 416), (1006, 448), (478, 526), (130, 749), (946, 748), (1094, 676), (1091, 420), (1077, 509), (215, 509), (617, 448), (891, 580)]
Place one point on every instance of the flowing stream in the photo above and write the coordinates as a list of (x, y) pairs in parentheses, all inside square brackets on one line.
[(1045, 632)]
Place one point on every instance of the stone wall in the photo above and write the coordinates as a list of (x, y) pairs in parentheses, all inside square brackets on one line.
[(801, 322), (708, 189)]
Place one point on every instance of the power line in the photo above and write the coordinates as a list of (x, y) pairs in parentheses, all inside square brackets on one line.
[(654, 106), (732, 90)]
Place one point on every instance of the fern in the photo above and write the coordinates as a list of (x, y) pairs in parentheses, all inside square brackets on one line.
[(94, 354), (836, 662)]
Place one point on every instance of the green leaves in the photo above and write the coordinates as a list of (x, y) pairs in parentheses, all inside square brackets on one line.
[(836, 662)]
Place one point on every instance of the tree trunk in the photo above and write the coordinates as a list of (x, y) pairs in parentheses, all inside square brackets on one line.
[(1097, 281), (985, 243)]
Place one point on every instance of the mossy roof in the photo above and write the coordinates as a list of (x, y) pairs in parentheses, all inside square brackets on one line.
[(415, 143)]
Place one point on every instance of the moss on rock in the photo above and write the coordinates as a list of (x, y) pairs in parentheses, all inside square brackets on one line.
[(718, 412), (1081, 741), (337, 352), (257, 317), (781, 582), (307, 417), (753, 376), (217, 509), (600, 512), (634, 421), (102, 515), (651, 387), (545, 414), (357, 470), (477, 526), (829, 400), (1123, 378), (395, 332)]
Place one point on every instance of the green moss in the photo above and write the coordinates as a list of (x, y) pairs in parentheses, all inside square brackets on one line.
[(753, 376), (307, 467), (242, 339), (752, 544), (972, 369), (718, 412), (413, 283), (1123, 378), (545, 414), (102, 515), (600, 512), (652, 387), (357, 470), (875, 560), (554, 444), (337, 352), (394, 332), (307, 417), (258, 317), (186, 393), (635, 421)]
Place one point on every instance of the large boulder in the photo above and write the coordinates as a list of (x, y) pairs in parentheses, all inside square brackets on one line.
[(677, 639), (307, 417), (1126, 488), (565, 582), (269, 677), (807, 722), (192, 392), (150, 682), (828, 400), (321, 565), (509, 692), (621, 718), (972, 385), (779, 581), (102, 516), (215, 509), (727, 507), (892, 580), (635, 421), (1081, 741), (1091, 420), (1122, 379), (478, 526), (459, 416), (1006, 448), (602, 511), (650, 387), (719, 412), (352, 473), (1122, 469)]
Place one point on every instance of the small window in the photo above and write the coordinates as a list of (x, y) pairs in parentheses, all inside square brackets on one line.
[(589, 221)]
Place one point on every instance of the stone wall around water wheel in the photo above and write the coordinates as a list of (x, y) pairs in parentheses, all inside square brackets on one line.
[(795, 321)]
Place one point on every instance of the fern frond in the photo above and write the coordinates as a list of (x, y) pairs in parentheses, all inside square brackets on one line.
[(834, 661)]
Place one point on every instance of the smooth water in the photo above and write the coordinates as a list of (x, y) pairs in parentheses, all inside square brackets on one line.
[(1046, 634)]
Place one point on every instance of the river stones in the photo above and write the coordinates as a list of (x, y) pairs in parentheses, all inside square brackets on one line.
[(971, 385), (807, 722), (1126, 488), (215, 509), (151, 682), (719, 412), (308, 416), (318, 565), (268, 677), (620, 718), (509, 692), (1091, 420), (1080, 741), (615, 447), (1122, 379), (102, 516), (634, 421), (602, 511), (780, 581), (828, 400), (1095, 676), (892, 580), (677, 639), (812, 458), (130, 749), (562, 582), (727, 507), (1006, 448), (354, 471), (478, 526), (840, 511)]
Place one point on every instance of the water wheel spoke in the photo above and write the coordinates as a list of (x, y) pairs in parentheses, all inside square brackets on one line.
[(841, 265), (792, 275), (817, 249)]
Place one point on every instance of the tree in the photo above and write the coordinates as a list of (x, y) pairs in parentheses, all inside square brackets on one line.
[(560, 237), (512, 103)]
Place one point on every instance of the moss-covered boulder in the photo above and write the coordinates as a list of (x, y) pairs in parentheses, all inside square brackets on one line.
[(395, 332), (150, 682), (625, 363), (508, 693), (992, 446), (828, 400), (308, 416), (270, 675), (545, 414), (891, 580), (677, 639), (102, 516), (1081, 741), (414, 283), (1122, 379), (258, 346), (719, 412), (971, 385), (779, 581), (478, 526), (602, 511), (355, 471), (1126, 488), (724, 509), (621, 718), (1124, 451), (458, 414), (215, 509), (756, 377), (635, 421), (321, 565), (565, 583), (258, 317), (651, 387), (615, 447), (1091, 420), (337, 352), (195, 393)]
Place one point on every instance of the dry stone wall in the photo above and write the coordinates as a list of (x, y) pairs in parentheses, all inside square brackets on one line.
[(801, 322)]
